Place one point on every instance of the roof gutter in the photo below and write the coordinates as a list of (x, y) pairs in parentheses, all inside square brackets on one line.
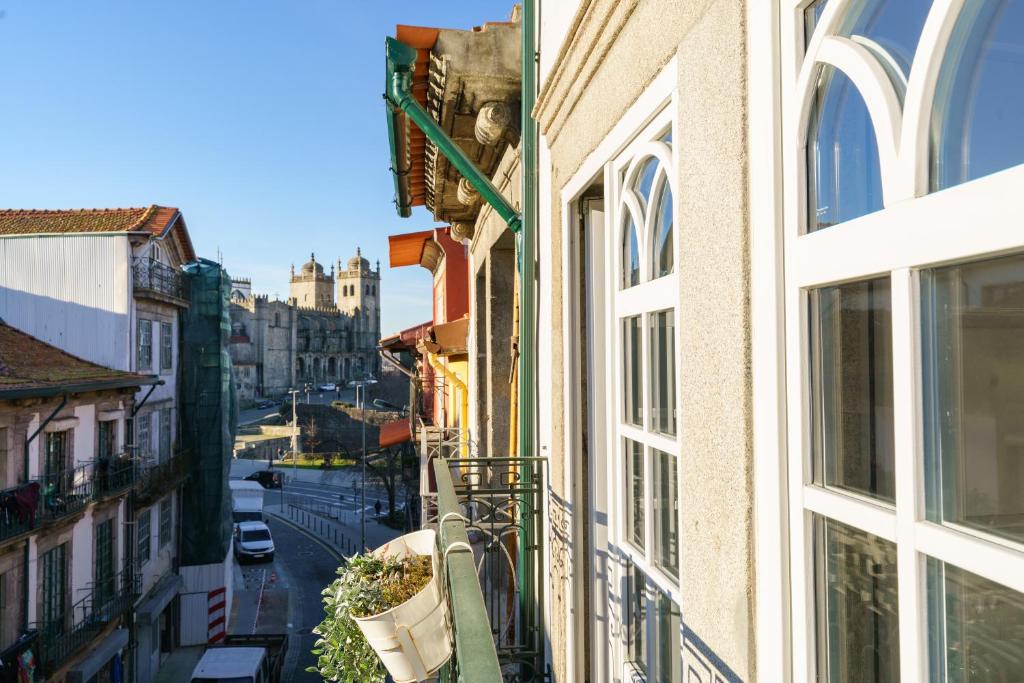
[(79, 388), (401, 62)]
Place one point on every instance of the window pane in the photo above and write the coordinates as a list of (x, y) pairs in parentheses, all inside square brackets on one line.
[(631, 346), (855, 588), (844, 177), (892, 25), (851, 373), (630, 254), (645, 179), (977, 626), (668, 652), (663, 255), (979, 101), (663, 372), (974, 393), (637, 611), (635, 502), (666, 513), (811, 16)]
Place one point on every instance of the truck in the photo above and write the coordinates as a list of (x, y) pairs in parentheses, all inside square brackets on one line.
[(256, 658), (246, 501)]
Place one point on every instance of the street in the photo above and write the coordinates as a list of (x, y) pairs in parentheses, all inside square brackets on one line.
[(251, 415)]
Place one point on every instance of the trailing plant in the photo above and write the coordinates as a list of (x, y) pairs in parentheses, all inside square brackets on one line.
[(366, 585)]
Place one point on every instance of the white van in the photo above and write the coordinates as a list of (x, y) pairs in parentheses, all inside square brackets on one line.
[(246, 501)]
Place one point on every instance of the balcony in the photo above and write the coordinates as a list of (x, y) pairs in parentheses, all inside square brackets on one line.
[(64, 493), (19, 506), (155, 280), (495, 506), (113, 476), (156, 478), (103, 602)]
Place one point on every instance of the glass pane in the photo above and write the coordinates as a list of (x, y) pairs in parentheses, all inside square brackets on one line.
[(631, 349), (645, 179), (630, 254), (663, 372), (663, 255), (974, 393), (637, 611), (668, 653), (811, 16), (856, 599), (851, 399), (892, 25), (844, 177), (666, 513), (666, 137), (979, 101), (635, 502), (977, 626)]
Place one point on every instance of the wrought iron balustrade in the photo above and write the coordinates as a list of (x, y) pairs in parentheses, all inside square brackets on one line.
[(113, 475), (151, 275), (495, 506), (65, 492), (155, 478), (19, 506), (103, 602)]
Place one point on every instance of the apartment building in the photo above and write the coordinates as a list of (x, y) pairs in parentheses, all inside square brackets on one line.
[(768, 288), (68, 573), (106, 285)]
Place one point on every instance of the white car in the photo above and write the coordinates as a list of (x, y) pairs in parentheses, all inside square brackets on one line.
[(327, 387), (253, 542)]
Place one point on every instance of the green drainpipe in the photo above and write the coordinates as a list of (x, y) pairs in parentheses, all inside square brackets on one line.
[(530, 543)]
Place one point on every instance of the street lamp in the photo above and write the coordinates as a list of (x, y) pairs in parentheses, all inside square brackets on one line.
[(361, 404), (295, 431)]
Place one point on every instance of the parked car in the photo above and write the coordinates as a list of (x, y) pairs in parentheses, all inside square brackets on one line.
[(268, 479), (328, 387), (266, 403), (253, 542)]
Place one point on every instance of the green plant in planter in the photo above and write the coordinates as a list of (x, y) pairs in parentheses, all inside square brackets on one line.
[(366, 585)]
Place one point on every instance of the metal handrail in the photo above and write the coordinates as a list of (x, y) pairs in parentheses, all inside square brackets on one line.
[(475, 657), (150, 274)]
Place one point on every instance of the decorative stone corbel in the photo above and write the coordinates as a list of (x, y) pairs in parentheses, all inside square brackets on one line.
[(493, 122)]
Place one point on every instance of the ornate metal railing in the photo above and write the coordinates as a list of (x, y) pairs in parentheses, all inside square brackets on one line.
[(495, 505), (151, 275), (19, 506), (155, 478), (103, 602), (64, 493), (113, 476)]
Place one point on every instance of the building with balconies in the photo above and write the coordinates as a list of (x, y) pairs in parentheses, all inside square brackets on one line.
[(68, 560), (106, 285)]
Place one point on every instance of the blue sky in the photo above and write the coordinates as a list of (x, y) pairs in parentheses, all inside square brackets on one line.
[(261, 119)]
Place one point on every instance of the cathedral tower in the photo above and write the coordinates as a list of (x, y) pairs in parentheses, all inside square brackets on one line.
[(312, 287), (359, 295)]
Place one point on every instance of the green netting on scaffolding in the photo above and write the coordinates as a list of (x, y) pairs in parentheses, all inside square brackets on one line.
[(208, 410)]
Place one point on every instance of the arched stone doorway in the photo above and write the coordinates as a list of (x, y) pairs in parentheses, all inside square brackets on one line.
[(332, 368)]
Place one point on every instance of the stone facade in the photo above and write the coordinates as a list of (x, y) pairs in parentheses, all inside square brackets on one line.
[(277, 345)]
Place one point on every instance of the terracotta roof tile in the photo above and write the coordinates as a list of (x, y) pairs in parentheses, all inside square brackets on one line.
[(153, 219), (27, 363)]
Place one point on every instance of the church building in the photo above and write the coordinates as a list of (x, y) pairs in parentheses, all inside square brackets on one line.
[(326, 332)]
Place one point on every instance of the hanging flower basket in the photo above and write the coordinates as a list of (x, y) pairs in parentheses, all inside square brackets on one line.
[(413, 640)]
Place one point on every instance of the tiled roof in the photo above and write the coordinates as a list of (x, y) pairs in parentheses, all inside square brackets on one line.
[(153, 219), (32, 367)]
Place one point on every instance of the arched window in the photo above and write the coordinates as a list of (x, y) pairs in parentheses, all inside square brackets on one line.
[(366, 290), (277, 319), (646, 213), (332, 368)]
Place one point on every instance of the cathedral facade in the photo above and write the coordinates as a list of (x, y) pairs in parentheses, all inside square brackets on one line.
[(326, 331)]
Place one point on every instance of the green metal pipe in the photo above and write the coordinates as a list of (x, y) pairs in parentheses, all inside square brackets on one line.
[(531, 596), (401, 61)]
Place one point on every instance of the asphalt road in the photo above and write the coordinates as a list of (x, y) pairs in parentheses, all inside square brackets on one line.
[(306, 567)]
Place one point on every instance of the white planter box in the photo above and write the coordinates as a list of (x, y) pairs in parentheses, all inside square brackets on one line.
[(413, 639)]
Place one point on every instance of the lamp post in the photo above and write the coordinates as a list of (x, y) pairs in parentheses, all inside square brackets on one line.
[(361, 403), (295, 431)]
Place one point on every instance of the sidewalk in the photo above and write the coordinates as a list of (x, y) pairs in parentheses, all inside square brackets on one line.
[(342, 536)]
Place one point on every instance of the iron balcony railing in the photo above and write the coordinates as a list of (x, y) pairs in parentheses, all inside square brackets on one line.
[(155, 478), (103, 602), (495, 506), (19, 506), (152, 276), (113, 476), (65, 492)]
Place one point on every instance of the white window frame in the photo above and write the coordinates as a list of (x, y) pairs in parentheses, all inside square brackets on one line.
[(144, 334), (914, 231)]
